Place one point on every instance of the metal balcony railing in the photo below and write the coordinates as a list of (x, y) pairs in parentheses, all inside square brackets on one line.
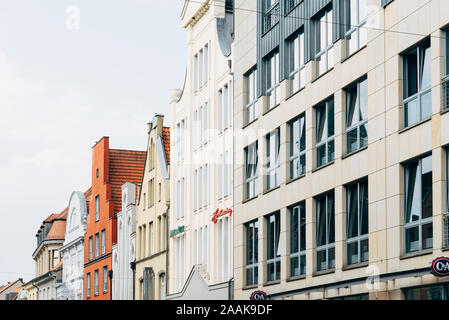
[(271, 17), (290, 4), (445, 94)]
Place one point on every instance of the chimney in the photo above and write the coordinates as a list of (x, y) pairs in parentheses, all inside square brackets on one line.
[(158, 122)]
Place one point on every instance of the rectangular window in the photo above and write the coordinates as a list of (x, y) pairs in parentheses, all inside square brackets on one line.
[(325, 231), (195, 72), (298, 240), (225, 107), (252, 250), (250, 95), (88, 285), (97, 208), (97, 245), (105, 279), (251, 167), (200, 184), (296, 63), (90, 248), (152, 240), (271, 12), (273, 143), (96, 282), (357, 116), (183, 192), (435, 292), (417, 84), (200, 246), (206, 63), (273, 249), (291, 4), (205, 123), (355, 20), (206, 185), (200, 69), (272, 84), (445, 93), (325, 144), (357, 222), (220, 111), (324, 46), (418, 205), (103, 242), (297, 162), (220, 249), (226, 165), (446, 216), (195, 195)]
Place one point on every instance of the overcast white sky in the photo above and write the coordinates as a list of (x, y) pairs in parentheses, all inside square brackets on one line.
[(61, 90)]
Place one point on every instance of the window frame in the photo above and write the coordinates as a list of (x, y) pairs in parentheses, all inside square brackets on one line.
[(250, 79), (328, 245), (299, 254), (292, 54), (329, 49), (351, 29), (275, 260), (91, 248), (302, 153), (359, 123), (96, 283), (272, 85), (103, 242), (254, 266), (326, 141), (105, 279), (88, 285), (253, 179), (97, 208), (97, 245), (270, 12), (273, 168)]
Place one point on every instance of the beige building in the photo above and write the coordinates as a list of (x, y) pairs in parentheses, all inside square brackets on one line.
[(200, 256), (152, 213), (341, 156)]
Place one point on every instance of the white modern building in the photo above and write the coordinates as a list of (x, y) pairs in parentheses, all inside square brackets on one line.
[(201, 158), (72, 252), (123, 252)]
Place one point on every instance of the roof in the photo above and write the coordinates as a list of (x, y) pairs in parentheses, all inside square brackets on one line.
[(9, 285), (124, 166), (59, 219), (166, 139), (56, 267)]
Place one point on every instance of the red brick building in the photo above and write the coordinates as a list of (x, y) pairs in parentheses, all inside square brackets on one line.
[(110, 169)]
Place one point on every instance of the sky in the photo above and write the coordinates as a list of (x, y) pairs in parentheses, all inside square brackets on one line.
[(72, 72)]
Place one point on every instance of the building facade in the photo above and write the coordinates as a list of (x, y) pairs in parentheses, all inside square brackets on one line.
[(124, 251), (72, 252), (11, 290), (152, 215), (341, 148), (111, 168), (201, 223)]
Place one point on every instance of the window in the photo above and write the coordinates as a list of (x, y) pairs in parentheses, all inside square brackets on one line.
[(325, 144), (296, 63), (252, 250), (436, 292), (97, 208), (325, 231), (151, 229), (291, 4), (297, 147), (97, 245), (271, 14), (298, 240), (180, 266), (273, 249), (195, 72), (250, 96), (103, 242), (272, 84), (446, 216), (105, 279), (200, 68), (273, 159), (355, 18), (96, 282), (418, 205), (417, 84), (324, 47), (227, 169), (88, 285), (90, 248), (357, 222), (446, 52), (357, 116), (251, 159), (162, 286), (195, 187), (445, 93)]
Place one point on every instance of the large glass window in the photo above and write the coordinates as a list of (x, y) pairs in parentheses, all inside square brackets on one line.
[(445, 90), (298, 240), (273, 143), (97, 208), (418, 205), (88, 285), (357, 116), (296, 63), (97, 245), (105, 279), (297, 147), (252, 250), (446, 216), (251, 159), (357, 222), (273, 253), (96, 282), (417, 84), (325, 144), (90, 248), (272, 84), (356, 32), (438, 292), (103, 242), (251, 95), (325, 231), (324, 46)]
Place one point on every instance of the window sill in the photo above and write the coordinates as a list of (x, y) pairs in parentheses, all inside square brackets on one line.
[(355, 266), (444, 111), (354, 152), (271, 283), (271, 190), (445, 248), (323, 273), (294, 93), (295, 179), (354, 53), (250, 199), (415, 125), (271, 109), (316, 78), (255, 286), (296, 278), (417, 254), (323, 166), (249, 123)]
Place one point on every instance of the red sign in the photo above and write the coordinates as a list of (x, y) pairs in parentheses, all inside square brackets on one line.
[(258, 295), (440, 267), (219, 213)]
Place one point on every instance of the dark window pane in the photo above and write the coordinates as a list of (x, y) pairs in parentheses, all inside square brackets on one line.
[(412, 193), (425, 66), (331, 151), (427, 236), (411, 67), (321, 260), (321, 222), (330, 114), (412, 239), (331, 257), (364, 248), (294, 267), (352, 140), (363, 136), (352, 112), (426, 188), (331, 218), (321, 124), (363, 194), (303, 228), (353, 253), (321, 155), (353, 212), (294, 237)]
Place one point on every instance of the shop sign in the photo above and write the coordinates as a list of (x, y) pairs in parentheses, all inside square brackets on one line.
[(219, 213), (176, 231), (440, 267), (258, 295)]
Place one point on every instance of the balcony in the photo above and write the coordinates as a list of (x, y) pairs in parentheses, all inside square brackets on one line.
[(290, 4), (445, 94), (271, 17)]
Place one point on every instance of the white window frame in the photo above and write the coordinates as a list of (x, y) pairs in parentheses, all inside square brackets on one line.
[(103, 242), (296, 63), (297, 154), (251, 95), (300, 208), (255, 250), (358, 28), (328, 246), (275, 261), (251, 181), (325, 18), (327, 139), (273, 161), (105, 279), (96, 282), (360, 122), (272, 80)]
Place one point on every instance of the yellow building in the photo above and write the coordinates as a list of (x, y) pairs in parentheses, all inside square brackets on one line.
[(151, 216)]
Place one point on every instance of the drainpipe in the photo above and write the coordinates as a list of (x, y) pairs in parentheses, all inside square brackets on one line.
[(230, 289), (32, 283), (133, 268), (110, 273), (167, 238)]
